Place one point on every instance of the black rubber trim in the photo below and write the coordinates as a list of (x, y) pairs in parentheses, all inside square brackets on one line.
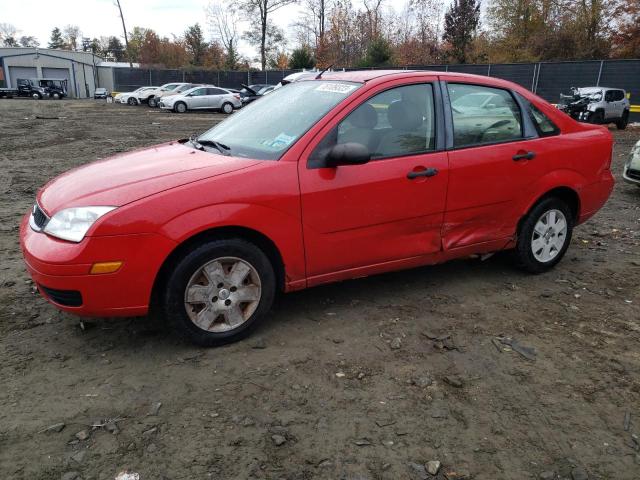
[(66, 298)]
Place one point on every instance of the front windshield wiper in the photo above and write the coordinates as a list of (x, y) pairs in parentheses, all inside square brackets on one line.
[(201, 144)]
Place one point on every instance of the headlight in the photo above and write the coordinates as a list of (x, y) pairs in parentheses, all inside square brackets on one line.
[(73, 223)]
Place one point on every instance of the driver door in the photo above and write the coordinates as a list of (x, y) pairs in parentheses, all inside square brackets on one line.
[(198, 98), (365, 218)]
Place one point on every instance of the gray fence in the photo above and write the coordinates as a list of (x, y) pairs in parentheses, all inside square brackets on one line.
[(547, 79)]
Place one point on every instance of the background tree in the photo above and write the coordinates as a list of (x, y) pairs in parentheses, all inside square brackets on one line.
[(195, 44), (460, 24), (116, 49), (626, 38), (136, 38), (56, 40), (267, 42), (224, 20), (301, 57), (378, 54), (261, 31), (8, 34), (71, 35), (28, 41)]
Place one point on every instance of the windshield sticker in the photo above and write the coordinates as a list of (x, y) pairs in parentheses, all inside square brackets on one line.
[(335, 87), (281, 141)]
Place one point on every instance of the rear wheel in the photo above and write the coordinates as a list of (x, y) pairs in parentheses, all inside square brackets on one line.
[(218, 292), (544, 236), (227, 108), (36, 96), (152, 102), (623, 121), (56, 96), (180, 107)]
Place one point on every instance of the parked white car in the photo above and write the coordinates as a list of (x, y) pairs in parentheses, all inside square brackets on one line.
[(154, 99), (205, 97), (631, 171), (132, 98), (146, 95)]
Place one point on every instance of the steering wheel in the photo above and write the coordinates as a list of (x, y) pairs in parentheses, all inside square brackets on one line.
[(498, 124)]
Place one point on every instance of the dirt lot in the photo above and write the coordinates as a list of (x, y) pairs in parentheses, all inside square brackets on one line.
[(346, 376)]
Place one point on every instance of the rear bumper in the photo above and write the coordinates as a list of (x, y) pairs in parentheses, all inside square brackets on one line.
[(61, 271), (594, 196)]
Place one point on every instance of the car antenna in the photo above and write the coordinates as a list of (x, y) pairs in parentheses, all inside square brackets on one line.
[(319, 76)]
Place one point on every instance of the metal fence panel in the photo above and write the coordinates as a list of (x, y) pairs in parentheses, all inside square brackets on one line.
[(547, 79), (520, 73), (556, 78)]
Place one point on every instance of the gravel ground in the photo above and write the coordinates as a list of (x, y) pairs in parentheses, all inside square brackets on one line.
[(366, 379)]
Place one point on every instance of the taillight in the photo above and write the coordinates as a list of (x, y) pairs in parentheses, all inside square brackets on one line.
[(607, 165), (237, 97)]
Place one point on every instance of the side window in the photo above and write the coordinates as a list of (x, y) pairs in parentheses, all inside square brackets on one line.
[(618, 95), (483, 115), (393, 123), (199, 92), (215, 91), (609, 96), (543, 124)]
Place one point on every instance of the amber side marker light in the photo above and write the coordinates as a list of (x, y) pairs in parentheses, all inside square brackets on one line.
[(105, 267)]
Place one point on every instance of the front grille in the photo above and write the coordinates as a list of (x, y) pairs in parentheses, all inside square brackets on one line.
[(633, 173), (66, 298), (39, 217)]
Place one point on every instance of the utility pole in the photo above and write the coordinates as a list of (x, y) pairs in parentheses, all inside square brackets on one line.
[(126, 37)]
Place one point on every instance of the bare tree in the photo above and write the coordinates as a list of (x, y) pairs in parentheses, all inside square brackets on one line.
[(71, 35), (124, 29), (224, 18), (263, 8), (8, 34)]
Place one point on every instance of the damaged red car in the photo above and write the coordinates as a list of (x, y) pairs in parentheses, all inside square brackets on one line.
[(329, 178)]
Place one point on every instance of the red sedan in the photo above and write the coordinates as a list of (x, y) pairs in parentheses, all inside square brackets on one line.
[(325, 179)]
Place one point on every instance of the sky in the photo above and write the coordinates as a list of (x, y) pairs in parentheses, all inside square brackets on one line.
[(98, 18)]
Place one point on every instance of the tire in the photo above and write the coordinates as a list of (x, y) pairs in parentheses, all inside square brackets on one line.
[(56, 96), (535, 239), (132, 101), (226, 318), (153, 102), (623, 121), (180, 107), (227, 108), (597, 118), (36, 96)]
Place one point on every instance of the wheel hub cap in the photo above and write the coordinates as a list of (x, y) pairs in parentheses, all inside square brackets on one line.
[(222, 294), (549, 235)]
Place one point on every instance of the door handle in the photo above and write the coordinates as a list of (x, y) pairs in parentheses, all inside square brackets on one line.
[(524, 156), (428, 172)]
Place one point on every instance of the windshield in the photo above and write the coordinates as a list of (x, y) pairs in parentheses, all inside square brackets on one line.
[(266, 129)]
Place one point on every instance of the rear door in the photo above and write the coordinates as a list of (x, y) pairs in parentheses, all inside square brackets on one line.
[(389, 209), (495, 157), (215, 96)]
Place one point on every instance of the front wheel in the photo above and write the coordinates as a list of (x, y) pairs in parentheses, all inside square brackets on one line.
[(218, 292), (624, 121), (544, 236), (597, 117), (132, 101), (56, 96), (36, 96), (227, 108), (180, 107)]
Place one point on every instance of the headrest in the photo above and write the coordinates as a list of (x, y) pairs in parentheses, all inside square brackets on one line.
[(403, 116), (365, 116)]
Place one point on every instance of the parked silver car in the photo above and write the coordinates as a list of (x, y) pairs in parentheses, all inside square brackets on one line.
[(599, 105), (631, 171), (205, 97)]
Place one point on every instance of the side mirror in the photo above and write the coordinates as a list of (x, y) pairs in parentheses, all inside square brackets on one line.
[(347, 154)]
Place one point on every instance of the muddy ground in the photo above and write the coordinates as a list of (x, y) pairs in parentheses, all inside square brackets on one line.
[(325, 376)]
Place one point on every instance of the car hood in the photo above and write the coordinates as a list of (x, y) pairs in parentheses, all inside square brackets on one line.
[(122, 179)]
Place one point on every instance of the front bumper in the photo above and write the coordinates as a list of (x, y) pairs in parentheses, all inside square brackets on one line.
[(61, 271), (631, 175)]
